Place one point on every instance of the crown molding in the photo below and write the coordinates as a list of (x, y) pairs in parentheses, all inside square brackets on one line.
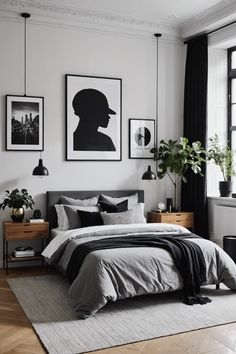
[(216, 16), (46, 13)]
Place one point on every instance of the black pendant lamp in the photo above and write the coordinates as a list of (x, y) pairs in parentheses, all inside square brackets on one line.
[(40, 170), (149, 175)]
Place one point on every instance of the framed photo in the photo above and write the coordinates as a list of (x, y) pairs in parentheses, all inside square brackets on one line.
[(24, 123), (141, 138), (93, 118)]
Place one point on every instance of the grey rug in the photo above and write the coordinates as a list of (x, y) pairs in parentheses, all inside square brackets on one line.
[(46, 302)]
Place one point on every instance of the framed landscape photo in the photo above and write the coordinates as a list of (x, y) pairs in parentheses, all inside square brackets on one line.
[(141, 138), (24, 123), (93, 118)]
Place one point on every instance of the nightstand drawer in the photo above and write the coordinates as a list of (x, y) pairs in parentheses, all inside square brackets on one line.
[(176, 217), (26, 231), (182, 218)]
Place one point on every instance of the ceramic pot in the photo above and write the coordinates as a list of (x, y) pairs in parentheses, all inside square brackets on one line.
[(225, 188), (17, 214)]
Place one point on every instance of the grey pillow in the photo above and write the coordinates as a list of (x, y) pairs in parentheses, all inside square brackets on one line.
[(132, 199), (132, 216), (74, 220), (80, 202)]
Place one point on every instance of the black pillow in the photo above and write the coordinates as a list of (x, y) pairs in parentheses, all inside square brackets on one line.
[(114, 208), (90, 218)]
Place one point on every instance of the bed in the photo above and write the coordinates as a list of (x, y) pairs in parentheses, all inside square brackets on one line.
[(125, 259)]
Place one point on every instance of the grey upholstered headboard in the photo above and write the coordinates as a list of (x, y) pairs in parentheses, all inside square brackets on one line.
[(53, 197)]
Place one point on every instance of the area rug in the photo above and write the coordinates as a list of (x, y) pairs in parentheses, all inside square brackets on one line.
[(46, 302)]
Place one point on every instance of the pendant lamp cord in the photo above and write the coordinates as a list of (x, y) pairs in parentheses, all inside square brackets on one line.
[(25, 61), (25, 16), (157, 35)]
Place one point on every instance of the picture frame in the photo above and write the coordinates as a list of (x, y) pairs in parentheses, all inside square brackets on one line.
[(142, 137), (93, 118), (24, 123)]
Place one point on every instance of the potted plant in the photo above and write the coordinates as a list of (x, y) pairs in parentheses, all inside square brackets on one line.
[(222, 156), (17, 200), (174, 158)]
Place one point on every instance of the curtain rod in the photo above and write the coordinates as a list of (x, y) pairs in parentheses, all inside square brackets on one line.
[(210, 32)]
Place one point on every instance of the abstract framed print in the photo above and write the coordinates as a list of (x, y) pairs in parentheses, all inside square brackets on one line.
[(24, 123), (141, 138), (93, 118)]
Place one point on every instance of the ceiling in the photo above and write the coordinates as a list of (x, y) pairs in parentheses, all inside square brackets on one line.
[(168, 11)]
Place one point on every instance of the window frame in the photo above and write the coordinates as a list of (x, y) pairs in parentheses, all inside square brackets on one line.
[(231, 76)]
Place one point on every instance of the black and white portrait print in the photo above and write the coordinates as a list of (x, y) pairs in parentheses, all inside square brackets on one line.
[(141, 138), (93, 118), (24, 123)]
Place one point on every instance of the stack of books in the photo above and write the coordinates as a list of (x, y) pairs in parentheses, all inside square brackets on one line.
[(35, 221), (24, 252)]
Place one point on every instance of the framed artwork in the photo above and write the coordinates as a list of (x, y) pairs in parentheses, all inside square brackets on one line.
[(141, 138), (24, 123), (93, 118)]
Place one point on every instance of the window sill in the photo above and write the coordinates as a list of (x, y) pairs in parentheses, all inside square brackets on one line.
[(223, 200)]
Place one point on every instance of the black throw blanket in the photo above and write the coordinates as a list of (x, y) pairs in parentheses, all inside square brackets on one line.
[(187, 256)]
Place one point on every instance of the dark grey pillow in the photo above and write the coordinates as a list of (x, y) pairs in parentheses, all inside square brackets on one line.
[(74, 220), (114, 208)]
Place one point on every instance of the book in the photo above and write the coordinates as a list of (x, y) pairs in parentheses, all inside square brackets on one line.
[(24, 254), (35, 221)]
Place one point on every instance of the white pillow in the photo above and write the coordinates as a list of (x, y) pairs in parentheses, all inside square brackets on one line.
[(80, 202), (62, 218), (132, 199), (131, 216)]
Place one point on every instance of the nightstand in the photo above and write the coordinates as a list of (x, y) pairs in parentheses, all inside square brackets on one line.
[(185, 219), (22, 231)]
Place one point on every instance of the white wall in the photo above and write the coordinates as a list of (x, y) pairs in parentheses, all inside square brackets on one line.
[(54, 51)]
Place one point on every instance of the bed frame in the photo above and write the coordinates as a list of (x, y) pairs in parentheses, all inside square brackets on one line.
[(53, 197)]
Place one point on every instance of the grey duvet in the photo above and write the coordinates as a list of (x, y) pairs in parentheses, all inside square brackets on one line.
[(111, 274)]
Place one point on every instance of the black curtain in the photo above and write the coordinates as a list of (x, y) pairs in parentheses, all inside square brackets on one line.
[(193, 193)]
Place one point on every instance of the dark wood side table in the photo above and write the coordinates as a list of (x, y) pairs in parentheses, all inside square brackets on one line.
[(185, 219), (23, 231)]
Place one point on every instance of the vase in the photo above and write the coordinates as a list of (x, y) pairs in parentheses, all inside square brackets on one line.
[(225, 188), (17, 214)]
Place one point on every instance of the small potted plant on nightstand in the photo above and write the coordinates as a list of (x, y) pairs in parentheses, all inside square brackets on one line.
[(174, 158), (17, 200), (222, 156)]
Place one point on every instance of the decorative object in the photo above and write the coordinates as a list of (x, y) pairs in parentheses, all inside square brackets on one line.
[(161, 207), (149, 317), (174, 158), (141, 138), (24, 123), (169, 204), (24, 115), (222, 156), (40, 170), (17, 200), (93, 118)]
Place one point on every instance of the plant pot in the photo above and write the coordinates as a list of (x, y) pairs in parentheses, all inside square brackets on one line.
[(17, 214), (225, 188)]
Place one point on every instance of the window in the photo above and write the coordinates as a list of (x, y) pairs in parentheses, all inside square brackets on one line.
[(232, 98)]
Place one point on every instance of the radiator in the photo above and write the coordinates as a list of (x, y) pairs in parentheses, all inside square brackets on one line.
[(224, 222)]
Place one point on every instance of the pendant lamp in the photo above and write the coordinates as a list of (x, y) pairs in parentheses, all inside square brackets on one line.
[(39, 170), (149, 175)]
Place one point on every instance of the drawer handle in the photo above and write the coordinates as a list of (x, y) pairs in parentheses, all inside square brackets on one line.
[(178, 220), (178, 214), (26, 232)]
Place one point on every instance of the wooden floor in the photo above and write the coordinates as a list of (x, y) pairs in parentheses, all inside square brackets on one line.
[(18, 337)]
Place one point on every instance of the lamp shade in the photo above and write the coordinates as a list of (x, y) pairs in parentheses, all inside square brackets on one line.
[(40, 170), (149, 175)]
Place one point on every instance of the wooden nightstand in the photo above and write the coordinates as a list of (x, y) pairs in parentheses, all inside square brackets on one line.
[(22, 231), (185, 219)]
